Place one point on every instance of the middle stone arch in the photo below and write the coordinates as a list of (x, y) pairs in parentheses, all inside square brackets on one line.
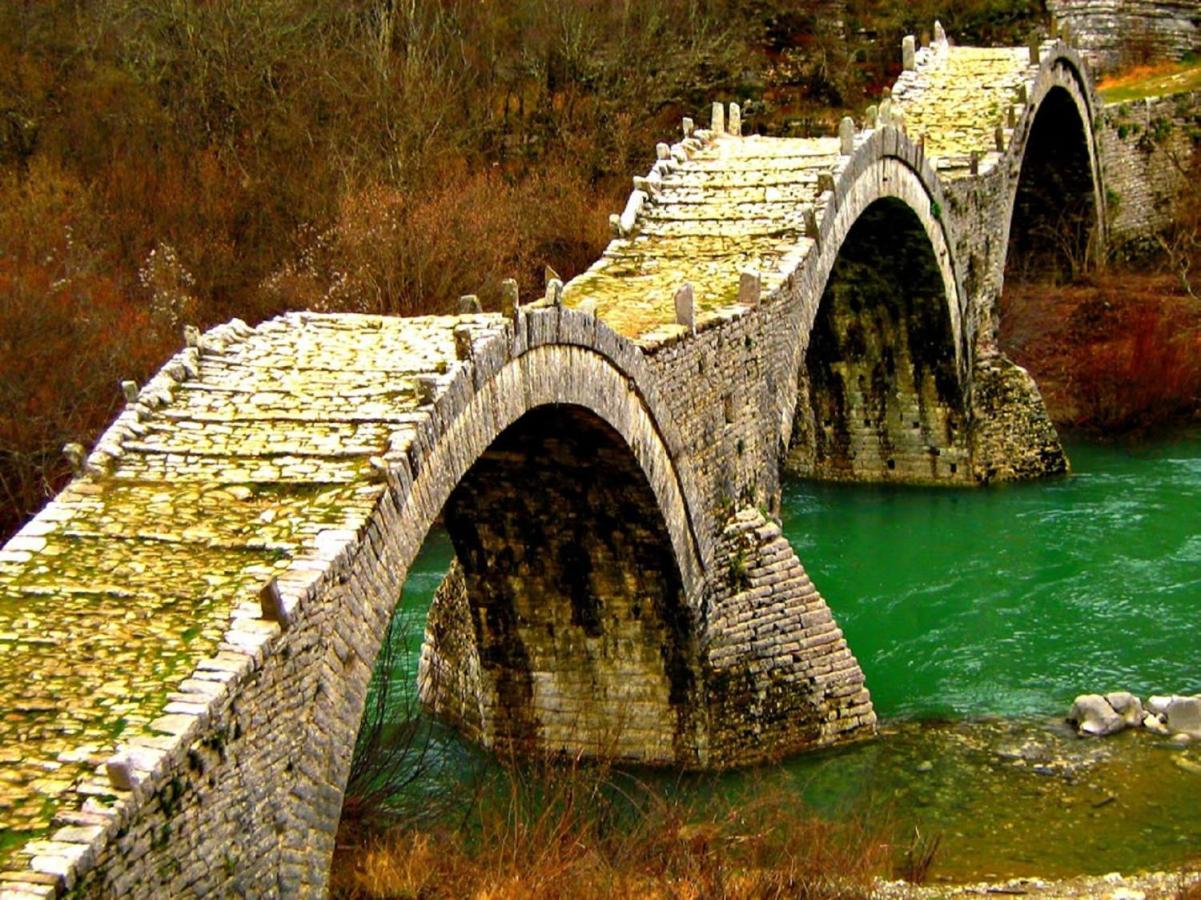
[(881, 394)]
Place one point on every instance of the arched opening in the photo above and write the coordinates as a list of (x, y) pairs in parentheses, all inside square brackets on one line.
[(562, 622), (1054, 222), (880, 397)]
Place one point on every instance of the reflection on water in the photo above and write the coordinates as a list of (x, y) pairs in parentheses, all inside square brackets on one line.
[(977, 616)]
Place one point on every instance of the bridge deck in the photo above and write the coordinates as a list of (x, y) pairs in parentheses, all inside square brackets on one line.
[(736, 203), (957, 96), (127, 580)]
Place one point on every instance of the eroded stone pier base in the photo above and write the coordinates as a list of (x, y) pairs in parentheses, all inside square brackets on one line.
[(770, 672)]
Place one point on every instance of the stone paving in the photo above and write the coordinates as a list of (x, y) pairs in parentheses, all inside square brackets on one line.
[(722, 205), (956, 99), (130, 577)]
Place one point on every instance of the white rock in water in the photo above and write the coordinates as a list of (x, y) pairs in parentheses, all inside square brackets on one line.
[(1159, 705), (1154, 723), (1126, 705), (1092, 714), (1184, 714)]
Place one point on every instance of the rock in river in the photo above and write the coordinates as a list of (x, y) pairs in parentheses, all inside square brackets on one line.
[(1092, 714)]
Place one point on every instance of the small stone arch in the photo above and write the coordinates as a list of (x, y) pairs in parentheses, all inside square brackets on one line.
[(1061, 91)]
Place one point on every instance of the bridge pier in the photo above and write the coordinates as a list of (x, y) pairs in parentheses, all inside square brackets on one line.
[(564, 626), (764, 673)]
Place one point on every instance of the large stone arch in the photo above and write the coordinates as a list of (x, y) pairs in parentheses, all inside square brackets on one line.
[(1054, 139), (475, 409), (887, 174)]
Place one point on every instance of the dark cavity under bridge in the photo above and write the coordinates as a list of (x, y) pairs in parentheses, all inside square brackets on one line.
[(189, 628)]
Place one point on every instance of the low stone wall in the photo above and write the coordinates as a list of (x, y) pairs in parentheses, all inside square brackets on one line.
[(1115, 33), (1147, 147)]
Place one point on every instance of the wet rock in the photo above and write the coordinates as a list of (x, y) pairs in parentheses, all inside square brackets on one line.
[(1184, 715), (1092, 714), (1128, 706), (1155, 724), (1159, 705)]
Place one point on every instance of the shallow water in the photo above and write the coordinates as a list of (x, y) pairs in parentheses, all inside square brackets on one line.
[(977, 616)]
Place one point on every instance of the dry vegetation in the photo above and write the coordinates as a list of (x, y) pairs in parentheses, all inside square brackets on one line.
[(1118, 351), (555, 830)]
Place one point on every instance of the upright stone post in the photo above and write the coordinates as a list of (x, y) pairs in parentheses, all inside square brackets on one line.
[(686, 307), (469, 304), (974, 163), (885, 114), (1036, 49), (554, 292), (718, 119), (688, 127), (909, 53), (940, 33), (662, 151), (750, 286), (510, 298), (999, 137), (810, 219), (734, 122), (846, 136), (76, 456), (871, 116), (130, 390)]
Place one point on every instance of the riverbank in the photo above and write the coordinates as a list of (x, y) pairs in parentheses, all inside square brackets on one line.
[(1184, 884), (997, 607), (1116, 355)]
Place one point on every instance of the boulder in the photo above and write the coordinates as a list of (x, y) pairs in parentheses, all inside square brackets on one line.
[(1092, 714), (1128, 706), (1184, 715), (1159, 705)]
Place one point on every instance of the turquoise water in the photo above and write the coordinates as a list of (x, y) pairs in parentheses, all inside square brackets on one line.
[(1012, 600), (977, 615)]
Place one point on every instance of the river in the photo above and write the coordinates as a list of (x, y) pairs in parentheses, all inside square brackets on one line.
[(977, 615)]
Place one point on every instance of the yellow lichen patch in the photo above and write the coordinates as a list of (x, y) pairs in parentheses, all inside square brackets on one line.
[(127, 580), (958, 97), (736, 204)]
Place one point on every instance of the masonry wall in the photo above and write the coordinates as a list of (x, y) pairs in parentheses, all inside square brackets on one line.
[(1147, 148), (1111, 34)]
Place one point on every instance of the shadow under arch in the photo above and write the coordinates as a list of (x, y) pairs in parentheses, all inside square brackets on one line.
[(1055, 222), (565, 576), (881, 397)]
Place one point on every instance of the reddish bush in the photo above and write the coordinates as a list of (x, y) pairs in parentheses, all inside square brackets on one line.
[(410, 252), (1119, 354), (68, 334)]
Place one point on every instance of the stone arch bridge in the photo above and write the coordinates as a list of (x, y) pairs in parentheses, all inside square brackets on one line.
[(187, 631)]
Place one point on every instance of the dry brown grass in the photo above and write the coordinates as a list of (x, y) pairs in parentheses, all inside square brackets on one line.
[(1120, 353), (583, 832)]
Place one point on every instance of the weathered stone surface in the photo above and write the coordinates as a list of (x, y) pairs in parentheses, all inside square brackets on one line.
[(1128, 706), (1116, 33), (1184, 715), (1147, 147), (1092, 715)]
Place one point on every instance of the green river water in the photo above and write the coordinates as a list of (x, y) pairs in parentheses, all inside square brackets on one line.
[(977, 615)]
